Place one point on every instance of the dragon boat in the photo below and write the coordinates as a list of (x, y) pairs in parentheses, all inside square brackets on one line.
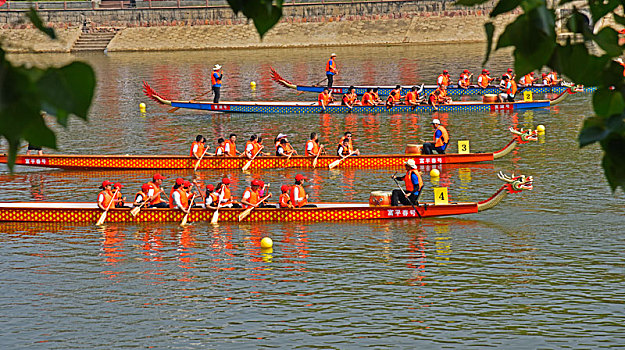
[(149, 162), (426, 90), (300, 107), (77, 212)]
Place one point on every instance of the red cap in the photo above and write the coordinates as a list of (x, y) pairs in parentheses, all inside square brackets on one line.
[(261, 183), (145, 187), (255, 182), (531, 73), (509, 69), (210, 187), (299, 177), (106, 183), (485, 71), (226, 181), (158, 176), (445, 71), (284, 188), (466, 71), (186, 184), (179, 181), (544, 74), (118, 185)]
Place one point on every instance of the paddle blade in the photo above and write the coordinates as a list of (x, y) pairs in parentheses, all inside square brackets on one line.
[(173, 110), (197, 164), (134, 211), (247, 165), (184, 220), (244, 214), (315, 163), (215, 217), (101, 219), (334, 164)]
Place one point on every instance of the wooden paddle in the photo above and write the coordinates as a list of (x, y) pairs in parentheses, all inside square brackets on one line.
[(338, 161), (249, 162), (200, 159), (103, 216), (317, 157), (202, 95), (215, 217), (135, 211), (247, 211), (186, 216), (402, 191)]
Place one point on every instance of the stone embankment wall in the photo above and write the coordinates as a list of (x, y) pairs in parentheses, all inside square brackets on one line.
[(314, 24)]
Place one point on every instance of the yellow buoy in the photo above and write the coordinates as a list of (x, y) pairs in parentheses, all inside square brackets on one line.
[(540, 129), (142, 107), (253, 85), (435, 173), (266, 243)]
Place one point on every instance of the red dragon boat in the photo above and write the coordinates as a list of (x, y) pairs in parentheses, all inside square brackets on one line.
[(153, 162), (76, 212)]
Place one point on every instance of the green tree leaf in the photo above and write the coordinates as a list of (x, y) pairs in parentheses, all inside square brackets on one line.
[(38, 23), (607, 39), (504, 6), (264, 13), (489, 28), (67, 90), (470, 2), (614, 160), (594, 130), (600, 8), (607, 102)]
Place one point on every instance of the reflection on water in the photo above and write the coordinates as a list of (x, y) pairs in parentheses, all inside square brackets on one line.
[(532, 273)]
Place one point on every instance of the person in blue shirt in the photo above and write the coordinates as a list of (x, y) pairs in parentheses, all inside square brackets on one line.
[(331, 70), (216, 82), (441, 139), (413, 182)]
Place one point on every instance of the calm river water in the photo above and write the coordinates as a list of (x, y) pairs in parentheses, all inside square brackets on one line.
[(544, 269)]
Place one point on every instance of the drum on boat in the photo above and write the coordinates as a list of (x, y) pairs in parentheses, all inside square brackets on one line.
[(380, 199), (490, 98), (413, 149)]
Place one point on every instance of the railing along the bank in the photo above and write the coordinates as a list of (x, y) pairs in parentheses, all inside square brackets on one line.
[(148, 4)]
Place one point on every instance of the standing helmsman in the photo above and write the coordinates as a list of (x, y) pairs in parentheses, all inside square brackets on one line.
[(331, 70), (413, 183), (216, 82)]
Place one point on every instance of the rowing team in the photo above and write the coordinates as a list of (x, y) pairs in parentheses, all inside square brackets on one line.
[(484, 79), (183, 197), (254, 147)]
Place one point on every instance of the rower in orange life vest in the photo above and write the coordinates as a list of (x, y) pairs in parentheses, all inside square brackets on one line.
[(508, 88), (298, 195), (312, 147), (324, 98), (397, 94), (221, 148), (413, 182), (119, 199), (527, 79), (350, 98), (390, 100), (331, 70), (484, 79), (216, 77), (142, 195), (376, 97), (252, 148), (252, 198), (553, 76), (510, 75), (441, 139), (439, 96), (443, 79), (465, 79), (283, 146), (346, 145), (198, 147), (154, 192), (181, 198), (412, 97), (225, 196), (105, 197), (177, 184), (212, 198), (285, 199), (230, 146), (368, 99)]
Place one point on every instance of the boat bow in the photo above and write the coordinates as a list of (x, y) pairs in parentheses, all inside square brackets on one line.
[(280, 80), (520, 137), (515, 184), (151, 93), (563, 95)]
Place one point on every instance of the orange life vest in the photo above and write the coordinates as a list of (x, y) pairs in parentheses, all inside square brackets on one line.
[(233, 149), (343, 138), (143, 195), (323, 98), (367, 99), (464, 80), (411, 96), (184, 199), (512, 88), (284, 200), (255, 147), (171, 195), (253, 199), (227, 196), (223, 150), (443, 79), (302, 196), (526, 79), (444, 139), (107, 199), (483, 80), (200, 149), (314, 151), (408, 180), (215, 198), (331, 66), (157, 198), (215, 80), (397, 96)]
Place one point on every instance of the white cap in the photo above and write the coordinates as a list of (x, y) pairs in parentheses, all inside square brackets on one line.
[(619, 60), (217, 67), (411, 163), (333, 54), (281, 136), (436, 121)]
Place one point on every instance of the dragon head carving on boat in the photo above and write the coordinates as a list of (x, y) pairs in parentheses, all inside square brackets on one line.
[(516, 184), (524, 136)]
